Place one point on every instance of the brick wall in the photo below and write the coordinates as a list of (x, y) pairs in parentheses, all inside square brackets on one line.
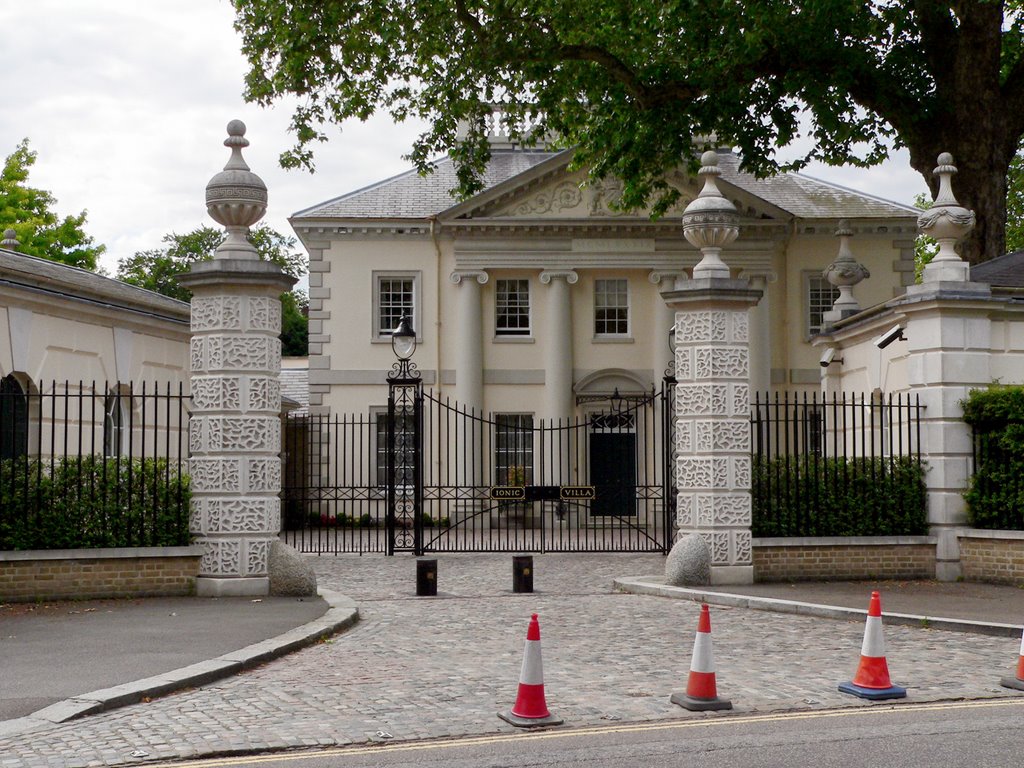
[(844, 559), (98, 573), (996, 557)]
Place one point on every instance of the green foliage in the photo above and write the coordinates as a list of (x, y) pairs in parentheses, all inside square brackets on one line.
[(816, 496), (925, 247), (1015, 204), (294, 324), (995, 495), (159, 269), (86, 502), (629, 84), (29, 212)]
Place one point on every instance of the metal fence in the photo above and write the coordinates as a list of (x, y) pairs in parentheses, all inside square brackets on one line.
[(444, 478), (841, 466), (86, 465)]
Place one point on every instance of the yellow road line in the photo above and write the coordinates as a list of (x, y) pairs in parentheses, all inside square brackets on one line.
[(561, 733)]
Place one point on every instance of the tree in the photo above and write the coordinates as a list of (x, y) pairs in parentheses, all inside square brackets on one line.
[(630, 84), (158, 270), (29, 212)]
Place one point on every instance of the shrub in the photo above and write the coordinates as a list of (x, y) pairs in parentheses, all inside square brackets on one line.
[(83, 502), (995, 494), (815, 496)]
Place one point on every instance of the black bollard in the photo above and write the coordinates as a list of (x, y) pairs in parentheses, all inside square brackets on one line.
[(426, 578), (522, 573)]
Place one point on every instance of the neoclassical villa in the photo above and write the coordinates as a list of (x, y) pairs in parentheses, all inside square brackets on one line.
[(537, 294)]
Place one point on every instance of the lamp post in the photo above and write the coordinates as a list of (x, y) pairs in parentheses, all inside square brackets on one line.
[(405, 444)]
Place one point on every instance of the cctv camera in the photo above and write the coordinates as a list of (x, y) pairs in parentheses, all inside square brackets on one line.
[(893, 334), (827, 357)]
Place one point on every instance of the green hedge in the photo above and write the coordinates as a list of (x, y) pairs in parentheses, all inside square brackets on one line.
[(85, 502), (995, 495), (814, 496)]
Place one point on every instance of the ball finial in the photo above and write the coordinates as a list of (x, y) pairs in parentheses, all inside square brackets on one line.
[(709, 158), (236, 128)]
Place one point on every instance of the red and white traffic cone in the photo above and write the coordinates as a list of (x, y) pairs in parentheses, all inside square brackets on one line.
[(1017, 683), (872, 678), (701, 688), (530, 709)]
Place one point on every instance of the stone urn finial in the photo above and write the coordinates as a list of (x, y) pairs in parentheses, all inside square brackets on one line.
[(236, 198), (948, 222), (710, 222), (10, 241), (844, 273)]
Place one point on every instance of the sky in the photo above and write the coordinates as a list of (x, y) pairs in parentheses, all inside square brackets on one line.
[(126, 104)]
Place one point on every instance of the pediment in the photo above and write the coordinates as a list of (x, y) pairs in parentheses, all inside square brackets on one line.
[(572, 196)]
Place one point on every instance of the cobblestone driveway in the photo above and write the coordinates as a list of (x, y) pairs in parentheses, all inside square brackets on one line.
[(431, 667)]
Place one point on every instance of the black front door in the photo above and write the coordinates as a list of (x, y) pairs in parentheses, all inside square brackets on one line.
[(613, 473)]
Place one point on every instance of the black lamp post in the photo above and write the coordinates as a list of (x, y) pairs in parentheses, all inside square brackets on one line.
[(404, 457)]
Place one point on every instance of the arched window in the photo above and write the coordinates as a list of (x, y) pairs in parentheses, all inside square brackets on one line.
[(13, 418), (115, 422)]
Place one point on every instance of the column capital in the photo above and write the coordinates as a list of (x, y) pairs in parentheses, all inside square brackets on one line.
[(459, 275), (768, 275), (570, 275), (657, 275)]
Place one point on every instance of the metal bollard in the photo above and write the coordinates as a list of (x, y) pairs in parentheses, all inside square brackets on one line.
[(522, 573), (426, 578)]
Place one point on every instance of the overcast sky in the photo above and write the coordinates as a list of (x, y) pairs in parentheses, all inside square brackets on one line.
[(126, 103)]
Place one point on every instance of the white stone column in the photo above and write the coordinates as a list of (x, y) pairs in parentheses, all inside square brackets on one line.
[(664, 324), (559, 401), (760, 333), (235, 429), (469, 366)]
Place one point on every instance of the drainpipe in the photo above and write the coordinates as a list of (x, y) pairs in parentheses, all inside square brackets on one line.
[(435, 235)]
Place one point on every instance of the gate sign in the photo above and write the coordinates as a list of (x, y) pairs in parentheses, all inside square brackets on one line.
[(577, 492), (507, 492)]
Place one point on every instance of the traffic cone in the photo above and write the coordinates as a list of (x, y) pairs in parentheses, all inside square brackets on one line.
[(701, 689), (530, 709), (1017, 683), (872, 678)]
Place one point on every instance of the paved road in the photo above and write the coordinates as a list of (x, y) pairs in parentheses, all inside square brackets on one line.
[(429, 667)]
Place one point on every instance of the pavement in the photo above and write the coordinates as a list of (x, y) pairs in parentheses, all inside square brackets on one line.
[(125, 682)]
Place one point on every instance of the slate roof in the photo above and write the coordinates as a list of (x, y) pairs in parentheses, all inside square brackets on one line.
[(808, 198), (294, 379), (411, 196), (43, 275), (1006, 271)]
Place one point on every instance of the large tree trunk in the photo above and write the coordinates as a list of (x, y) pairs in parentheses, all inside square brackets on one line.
[(969, 117)]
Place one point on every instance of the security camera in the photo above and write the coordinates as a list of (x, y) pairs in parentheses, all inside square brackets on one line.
[(893, 334), (828, 357)]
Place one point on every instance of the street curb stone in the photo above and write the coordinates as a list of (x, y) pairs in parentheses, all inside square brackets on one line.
[(341, 614), (655, 586)]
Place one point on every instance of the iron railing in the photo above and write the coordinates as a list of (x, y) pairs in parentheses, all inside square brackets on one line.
[(85, 465), (841, 466)]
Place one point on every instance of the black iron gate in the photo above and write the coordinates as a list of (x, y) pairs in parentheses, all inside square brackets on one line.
[(430, 476)]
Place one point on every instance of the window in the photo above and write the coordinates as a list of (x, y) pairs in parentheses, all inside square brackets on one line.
[(114, 423), (395, 295), (513, 449), (821, 295), (512, 308), (611, 307), (13, 418)]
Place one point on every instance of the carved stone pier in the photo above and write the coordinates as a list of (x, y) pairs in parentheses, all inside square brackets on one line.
[(235, 432)]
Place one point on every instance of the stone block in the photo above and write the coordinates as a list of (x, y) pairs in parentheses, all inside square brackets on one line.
[(290, 574), (689, 562)]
